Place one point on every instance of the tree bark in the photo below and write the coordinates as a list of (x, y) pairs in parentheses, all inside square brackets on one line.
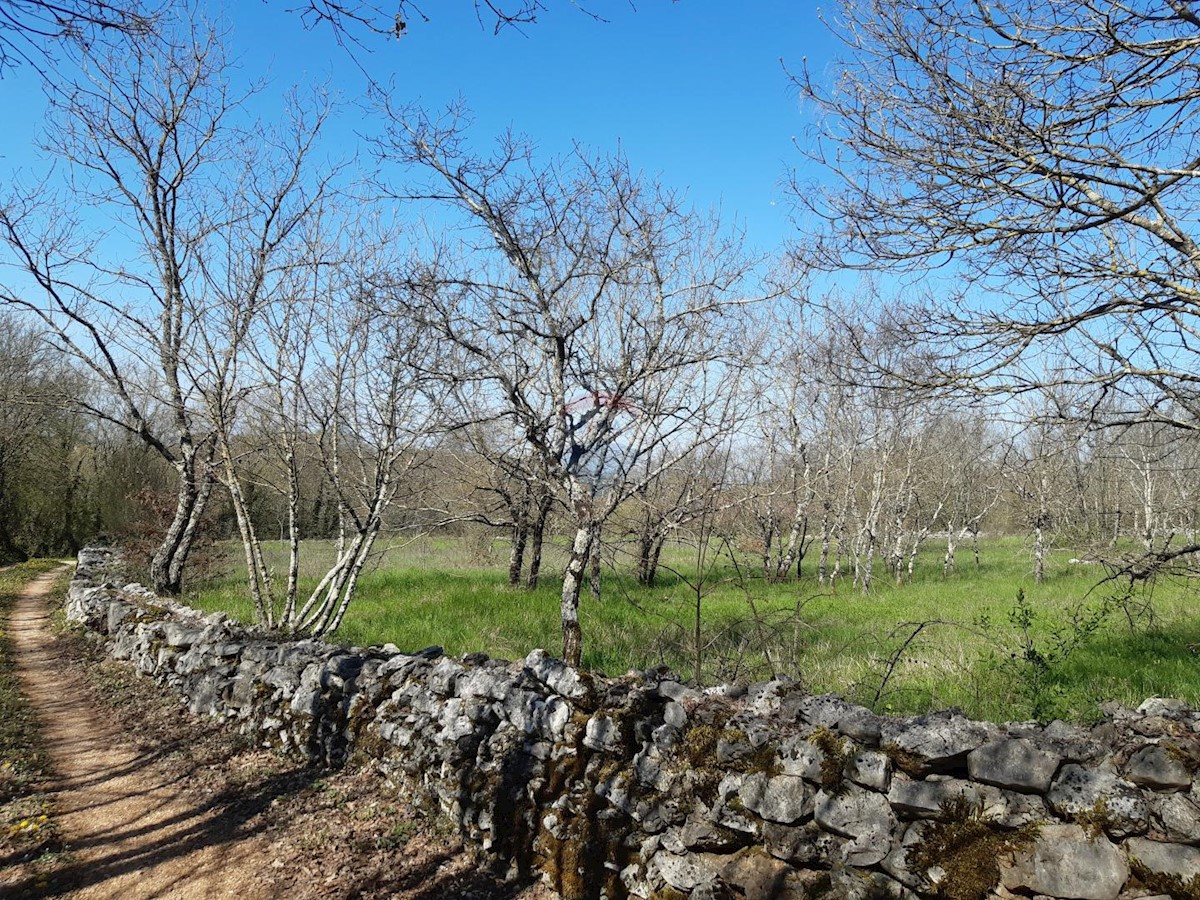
[(572, 584)]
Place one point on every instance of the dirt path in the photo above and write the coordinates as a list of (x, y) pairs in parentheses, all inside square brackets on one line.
[(129, 832)]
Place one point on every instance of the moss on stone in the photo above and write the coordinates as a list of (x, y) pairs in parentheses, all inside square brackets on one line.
[(1173, 886), (967, 845), (1094, 821), (835, 753), (700, 745), (908, 763)]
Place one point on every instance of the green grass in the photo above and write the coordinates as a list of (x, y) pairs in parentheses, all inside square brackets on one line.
[(27, 828), (970, 654)]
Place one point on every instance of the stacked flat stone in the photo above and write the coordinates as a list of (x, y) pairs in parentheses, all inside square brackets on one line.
[(641, 786)]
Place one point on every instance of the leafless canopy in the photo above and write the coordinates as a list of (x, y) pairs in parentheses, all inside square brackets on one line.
[(1044, 151), (29, 27)]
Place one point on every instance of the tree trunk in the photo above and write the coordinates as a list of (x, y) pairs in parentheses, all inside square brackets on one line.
[(594, 557), (823, 559), (166, 568), (572, 583), (1039, 551), (645, 548), (948, 564), (537, 537), (516, 556)]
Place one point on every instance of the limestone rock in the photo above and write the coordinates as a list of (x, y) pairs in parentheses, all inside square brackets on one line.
[(1165, 859), (780, 798), (1065, 862), (937, 742), (871, 769), (685, 872), (801, 757), (1099, 795), (1155, 767), (1179, 817), (1015, 764), (925, 799), (861, 815), (761, 877)]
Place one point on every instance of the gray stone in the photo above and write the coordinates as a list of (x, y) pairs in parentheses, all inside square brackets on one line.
[(1156, 767), (863, 816), (938, 743), (1165, 859), (1099, 793), (674, 714), (760, 877), (1021, 809), (701, 834), (824, 710), (673, 690), (602, 733), (871, 769), (1064, 861), (118, 612), (925, 799), (801, 844), (780, 798), (1014, 764), (1162, 706), (802, 758), (556, 675), (1179, 817), (685, 872)]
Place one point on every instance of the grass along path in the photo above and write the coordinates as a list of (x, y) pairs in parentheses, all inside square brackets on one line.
[(937, 642)]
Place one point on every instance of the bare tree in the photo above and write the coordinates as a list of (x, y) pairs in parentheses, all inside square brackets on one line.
[(30, 29), (1045, 150), (190, 197), (595, 311), (332, 374)]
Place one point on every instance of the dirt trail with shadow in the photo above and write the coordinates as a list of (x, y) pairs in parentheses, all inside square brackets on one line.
[(129, 831)]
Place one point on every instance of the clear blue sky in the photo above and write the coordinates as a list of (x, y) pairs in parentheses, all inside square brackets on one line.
[(693, 91)]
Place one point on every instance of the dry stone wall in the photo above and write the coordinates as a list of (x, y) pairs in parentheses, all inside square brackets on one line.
[(641, 786)]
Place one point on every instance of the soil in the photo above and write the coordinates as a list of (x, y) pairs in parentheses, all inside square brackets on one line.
[(153, 802)]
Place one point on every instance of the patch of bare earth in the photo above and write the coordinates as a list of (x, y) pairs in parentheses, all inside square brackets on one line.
[(154, 802)]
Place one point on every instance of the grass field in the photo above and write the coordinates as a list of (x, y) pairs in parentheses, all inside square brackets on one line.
[(960, 641)]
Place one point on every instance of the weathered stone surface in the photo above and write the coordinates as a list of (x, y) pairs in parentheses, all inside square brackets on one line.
[(1015, 764), (799, 756), (861, 815), (686, 871), (925, 799), (1156, 767), (937, 743), (804, 845), (1065, 862), (1162, 706), (674, 714), (1178, 815), (1101, 798), (871, 769), (761, 877), (1165, 859), (780, 798)]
